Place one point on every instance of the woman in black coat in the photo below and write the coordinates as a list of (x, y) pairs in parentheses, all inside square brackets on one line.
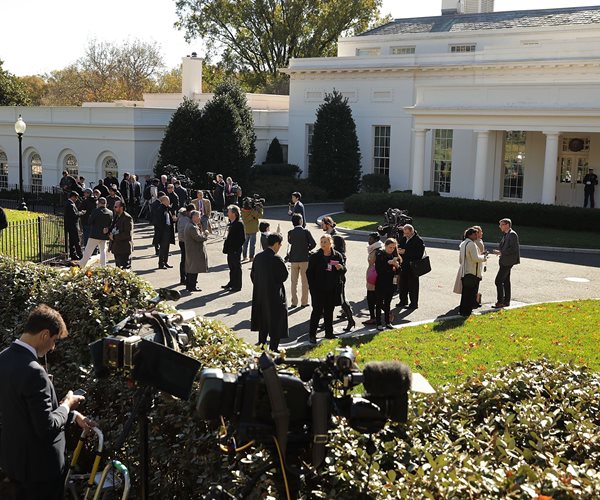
[(387, 265), (325, 272)]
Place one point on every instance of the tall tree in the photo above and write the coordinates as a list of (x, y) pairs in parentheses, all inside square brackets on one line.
[(275, 153), (262, 35), (12, 91), (182, 142), (228, 148), (35, 88), (335, 163)]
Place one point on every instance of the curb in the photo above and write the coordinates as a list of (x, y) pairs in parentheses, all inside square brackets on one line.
[(589, 251)]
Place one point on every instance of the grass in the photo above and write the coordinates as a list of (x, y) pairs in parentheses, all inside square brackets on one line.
[(451, 350), (22, 241), (453, 229)]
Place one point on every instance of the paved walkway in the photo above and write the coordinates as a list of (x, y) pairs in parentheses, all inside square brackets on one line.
[(542, 277)]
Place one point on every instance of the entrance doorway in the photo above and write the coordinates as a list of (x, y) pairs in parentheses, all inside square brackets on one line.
[(573, 165)]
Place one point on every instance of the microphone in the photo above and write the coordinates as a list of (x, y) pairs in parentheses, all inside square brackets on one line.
[(387, 378)]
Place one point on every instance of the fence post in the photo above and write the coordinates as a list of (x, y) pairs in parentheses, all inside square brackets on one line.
[(40, 245)]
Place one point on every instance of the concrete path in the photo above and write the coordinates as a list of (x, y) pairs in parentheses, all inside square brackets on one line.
[(542, 276)]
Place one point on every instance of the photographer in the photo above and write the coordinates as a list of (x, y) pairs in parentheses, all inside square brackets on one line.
[(219, 193), (252, 211), (33, 421)]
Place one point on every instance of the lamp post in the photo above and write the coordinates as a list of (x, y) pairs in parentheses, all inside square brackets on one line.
[(20, 128)]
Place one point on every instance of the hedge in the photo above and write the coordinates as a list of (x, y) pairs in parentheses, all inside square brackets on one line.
[(530, 430), (375, 183), (441, 207), (278, 189)]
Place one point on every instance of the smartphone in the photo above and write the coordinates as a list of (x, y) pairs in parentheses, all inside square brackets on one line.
[(79, 392)]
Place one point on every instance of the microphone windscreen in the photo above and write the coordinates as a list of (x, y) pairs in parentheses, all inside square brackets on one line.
[(387, 378)]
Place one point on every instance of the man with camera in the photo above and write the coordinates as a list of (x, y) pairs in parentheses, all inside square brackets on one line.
[(32, 449), (269, 307), (252, 211)]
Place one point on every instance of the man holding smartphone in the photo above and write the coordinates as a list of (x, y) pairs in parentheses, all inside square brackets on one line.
[(32, 449)]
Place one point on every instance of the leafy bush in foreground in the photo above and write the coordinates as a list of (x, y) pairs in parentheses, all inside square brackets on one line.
[(532, 430)]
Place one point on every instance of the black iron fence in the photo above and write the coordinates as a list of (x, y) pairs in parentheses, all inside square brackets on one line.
[(44, 199), (38, 239)]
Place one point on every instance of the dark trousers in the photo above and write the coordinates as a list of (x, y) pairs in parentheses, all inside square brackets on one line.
[(383, 299), (263, 333), (122, 260), (409, 287), (470, 285), (234, 261), (322, 306), (163, 252), (46, 490), (588, 195), (182, 263), (371, 302), (345, 306), (74, 245), (503, 284), (191, 280)]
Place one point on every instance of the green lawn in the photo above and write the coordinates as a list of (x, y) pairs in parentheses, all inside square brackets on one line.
[(451, 350), (23, 242), (453, 229)]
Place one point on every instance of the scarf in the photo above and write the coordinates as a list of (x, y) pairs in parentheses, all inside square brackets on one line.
[(374, 246)]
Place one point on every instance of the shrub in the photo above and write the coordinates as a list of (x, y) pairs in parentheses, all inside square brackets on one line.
[(279, 169), (375, 183), (275, 153), (441, 207)]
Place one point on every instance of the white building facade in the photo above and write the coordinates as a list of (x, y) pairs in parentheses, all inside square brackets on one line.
[(494, 105), (124, 136)]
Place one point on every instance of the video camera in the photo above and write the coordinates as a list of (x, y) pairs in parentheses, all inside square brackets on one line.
[(146, 346), (261, 402), (252, 202), (395, 220)]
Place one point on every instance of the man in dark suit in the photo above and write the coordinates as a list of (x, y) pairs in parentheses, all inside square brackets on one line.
[(300, 243), (590, 181), (32, 449), (121, 240), (125, 189), (72, 215), (233, 248), (296, 207), (174, 199), (510, 255), (411, 248), (269, 308), (111, 180), (164, 231)]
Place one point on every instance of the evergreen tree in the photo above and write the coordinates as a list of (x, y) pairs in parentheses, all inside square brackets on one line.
[(227, 147), (336, 157), (275, 153), (182, 141), (238, 96), (13, 92)]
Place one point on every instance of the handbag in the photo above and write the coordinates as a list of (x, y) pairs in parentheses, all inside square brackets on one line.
[(422, 266), (372, 275)]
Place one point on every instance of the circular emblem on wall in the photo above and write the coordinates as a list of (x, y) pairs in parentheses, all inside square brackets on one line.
[(576, 145)]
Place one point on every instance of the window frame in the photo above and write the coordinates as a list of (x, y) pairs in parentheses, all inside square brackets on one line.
[(442, 141), (381, 162), (516, 170)]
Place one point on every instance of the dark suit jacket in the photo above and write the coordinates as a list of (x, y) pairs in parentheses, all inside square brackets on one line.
[(510, 253), (99, 219), (160, 224), (301, 242), (299, 209), (71, 215), (414, 250), (33, 425), (122, 241), (235, 237)]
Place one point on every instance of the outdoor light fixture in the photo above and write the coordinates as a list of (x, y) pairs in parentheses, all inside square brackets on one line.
[(20, 127)]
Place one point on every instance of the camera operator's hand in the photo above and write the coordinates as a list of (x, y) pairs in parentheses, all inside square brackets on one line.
[(84, 422), (72, 401)]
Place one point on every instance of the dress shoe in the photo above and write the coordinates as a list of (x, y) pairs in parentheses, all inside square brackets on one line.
[(304, 305), (507, 303), (389, 326), (293, 306), (498, 305), (371, 321), (225, 287), (162, 266), (312, 340), (195, 289), (234, 290), (412, 306), (351, 325), (401, 305), (169, 266), (380, 327)]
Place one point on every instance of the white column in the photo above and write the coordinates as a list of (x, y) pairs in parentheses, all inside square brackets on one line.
[(549, 182), (481, 159), (418, 166)]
